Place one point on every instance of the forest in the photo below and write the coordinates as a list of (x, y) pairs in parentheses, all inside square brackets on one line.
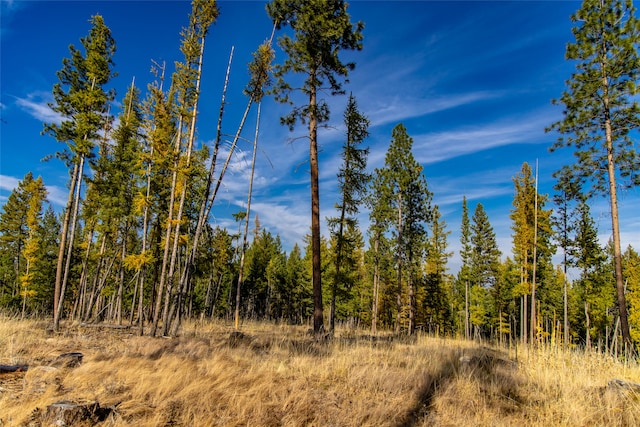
[(135, 244)]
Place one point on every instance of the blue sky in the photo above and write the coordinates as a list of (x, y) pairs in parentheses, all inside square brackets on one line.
[(471, 81)]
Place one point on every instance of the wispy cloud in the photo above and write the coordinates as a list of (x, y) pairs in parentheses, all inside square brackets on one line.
[(473, 139), (36, 105), (400, 108), (8, 183), (56, 195)]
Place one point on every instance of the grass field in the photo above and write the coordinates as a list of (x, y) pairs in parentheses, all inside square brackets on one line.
[(279, 376)]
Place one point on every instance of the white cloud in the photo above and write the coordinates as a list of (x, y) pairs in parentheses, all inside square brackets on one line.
[(472, 139), (399, 108), (56, 195), (8, 183), (36, 105)]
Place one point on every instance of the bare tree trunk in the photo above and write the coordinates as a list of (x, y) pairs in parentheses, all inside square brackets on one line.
[(94, 287), (79, 305), (121, 280), (376, 284), (588, 325), (74, 220), (63, 244), (467, 330), (399, 267), (167, 246), (534, 324), (246, 221), (615, 223), (185, 276)]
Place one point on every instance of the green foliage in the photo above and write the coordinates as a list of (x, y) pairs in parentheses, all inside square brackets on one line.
[(23, 245), (79, 96), (603, 88), (352, 183), (321, 29), (485, 255), (602, 113), (594, 292), (631, 265), (403, 201)]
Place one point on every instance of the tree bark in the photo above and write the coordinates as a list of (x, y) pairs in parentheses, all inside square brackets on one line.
[(376, 284), (318, 318), (67, 265)]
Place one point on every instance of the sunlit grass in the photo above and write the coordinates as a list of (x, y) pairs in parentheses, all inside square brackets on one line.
[(279, 376)]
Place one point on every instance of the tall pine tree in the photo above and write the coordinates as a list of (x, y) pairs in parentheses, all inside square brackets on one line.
[(601, 110), (321, 29), (81, 99), (352, 182)]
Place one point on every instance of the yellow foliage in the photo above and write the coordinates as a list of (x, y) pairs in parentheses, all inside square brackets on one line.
[(140, 202), (29, 293), (137, 261)]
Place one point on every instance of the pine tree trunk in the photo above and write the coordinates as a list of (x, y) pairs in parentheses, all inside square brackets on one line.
[(467, 330), (88, 305), (376, 283), (63, 244), (80, 304), (318, 320), (615, 223), (399, 267), (207, 197), (74, 219), (167, 245), (121, 280)]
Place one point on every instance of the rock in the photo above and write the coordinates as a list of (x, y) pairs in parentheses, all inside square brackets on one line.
[(69, 413), (68, 360), (624, 385)]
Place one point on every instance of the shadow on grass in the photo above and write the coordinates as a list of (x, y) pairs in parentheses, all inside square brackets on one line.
[(487, 367)]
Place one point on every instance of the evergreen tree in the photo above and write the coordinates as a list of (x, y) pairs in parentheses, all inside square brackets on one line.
[(352, 183), (532, 248), (321, 28), (80, 98), (45, 265), (37, 195), (21, 241), (485, 264), (298, 289), (568, 192), (601, 110), (464, 278), (631, 267), (591, 261), (404, 188), (185, 86), (13, 236), (379, 246), (437, 292)]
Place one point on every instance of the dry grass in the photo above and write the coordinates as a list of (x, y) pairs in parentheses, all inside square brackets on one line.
[(278, 376)]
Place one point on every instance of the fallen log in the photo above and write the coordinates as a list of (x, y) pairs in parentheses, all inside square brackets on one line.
[(106, 326), (5, 369)]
